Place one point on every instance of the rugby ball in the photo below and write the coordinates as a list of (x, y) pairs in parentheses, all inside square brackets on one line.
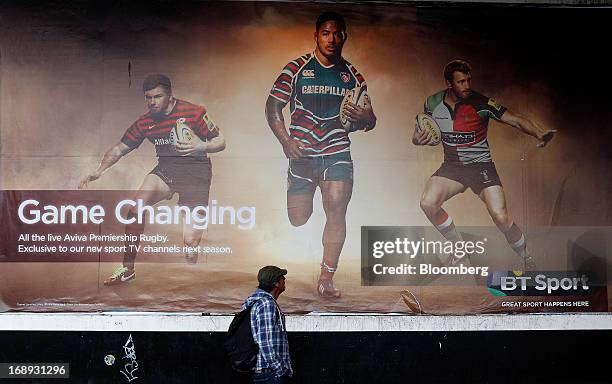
[(427, 123), (356, 96), (181, 132)]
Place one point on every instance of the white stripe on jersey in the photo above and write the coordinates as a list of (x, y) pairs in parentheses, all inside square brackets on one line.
[(283, 92), (313, 135), (347, 149), (350, 67), (299, 128), (278, 98), (332, 132), (326, 148), (336, 139), (469, 158)]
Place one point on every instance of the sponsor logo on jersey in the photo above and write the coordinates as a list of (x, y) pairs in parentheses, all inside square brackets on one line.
[(162, 141), (345, 76), (458, 137), (308, 73), (494, 104), (210, 125), (323, 90)]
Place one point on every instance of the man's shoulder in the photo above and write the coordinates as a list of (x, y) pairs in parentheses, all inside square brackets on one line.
[(186, 106), (353, 70), (259, 299), (143, 120), (348, 64), (295, 64), (477, 97), (481, 101), (434, 100)]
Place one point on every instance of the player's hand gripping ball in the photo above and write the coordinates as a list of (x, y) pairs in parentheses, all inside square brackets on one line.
[(426, 123), (181, 133), (358, 97)]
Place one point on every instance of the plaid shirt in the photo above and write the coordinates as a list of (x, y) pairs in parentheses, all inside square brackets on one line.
[(268, 327)]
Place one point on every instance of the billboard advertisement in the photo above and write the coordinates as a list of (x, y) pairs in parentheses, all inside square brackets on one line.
[(393, 158)]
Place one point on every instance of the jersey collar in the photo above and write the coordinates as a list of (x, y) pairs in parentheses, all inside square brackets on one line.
[(314, 53)]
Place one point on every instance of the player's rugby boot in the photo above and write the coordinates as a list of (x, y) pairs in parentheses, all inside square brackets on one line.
[(325, 288), (120, 276)]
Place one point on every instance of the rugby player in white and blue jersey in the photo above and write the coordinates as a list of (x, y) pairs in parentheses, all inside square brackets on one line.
[(463, 117), (317, 145)]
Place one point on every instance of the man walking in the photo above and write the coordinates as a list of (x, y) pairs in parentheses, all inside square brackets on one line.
[(268, 326)]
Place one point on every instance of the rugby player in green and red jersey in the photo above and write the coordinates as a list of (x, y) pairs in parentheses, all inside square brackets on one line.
[(183, 166), (317, 145), (463, 116)]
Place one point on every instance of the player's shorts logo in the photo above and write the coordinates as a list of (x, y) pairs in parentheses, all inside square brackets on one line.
[(346, 77), (485, 176)]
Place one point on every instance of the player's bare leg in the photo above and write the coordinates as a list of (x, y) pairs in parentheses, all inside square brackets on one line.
[(495, 200), (336, 196), (152, 191), (191, 238), (299, 207), (437, 191)]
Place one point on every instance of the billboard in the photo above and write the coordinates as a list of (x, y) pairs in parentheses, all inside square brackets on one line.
[(393, 158)]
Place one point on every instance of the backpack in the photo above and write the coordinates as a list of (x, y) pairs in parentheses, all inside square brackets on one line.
[(239, 344)]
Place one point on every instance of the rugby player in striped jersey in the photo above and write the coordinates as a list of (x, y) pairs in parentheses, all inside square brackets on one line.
[(317, 145), (463, 116), (183, 166)]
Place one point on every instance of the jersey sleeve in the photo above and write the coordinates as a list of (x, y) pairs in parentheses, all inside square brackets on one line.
[(282, 89), (134, 135), (432, 102), (426, 108), (205, 126), (490, 107), (496, 110), (358, 76)]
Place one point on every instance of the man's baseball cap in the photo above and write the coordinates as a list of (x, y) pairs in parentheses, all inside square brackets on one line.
[(270, 274)]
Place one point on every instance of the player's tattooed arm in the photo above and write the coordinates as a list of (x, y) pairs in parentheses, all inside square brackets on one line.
[(113, 155), (276, 121), (527, 126)]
